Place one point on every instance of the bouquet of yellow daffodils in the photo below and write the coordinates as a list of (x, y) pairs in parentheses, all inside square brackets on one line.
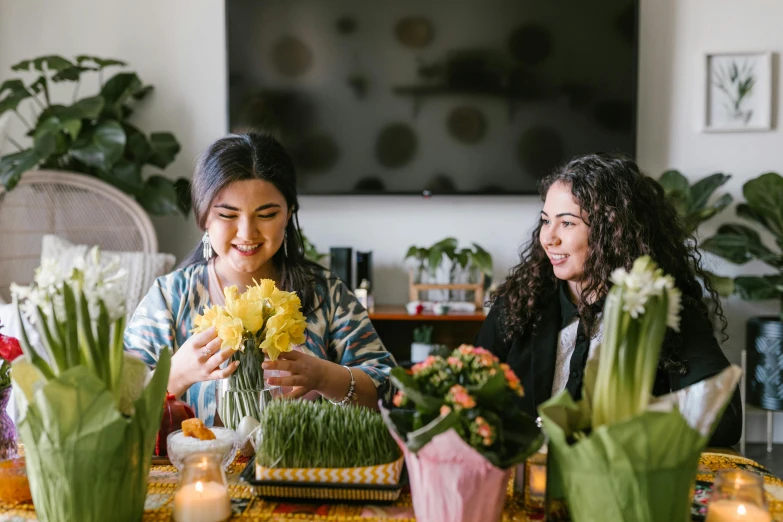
[(620, 453), (262, 320)]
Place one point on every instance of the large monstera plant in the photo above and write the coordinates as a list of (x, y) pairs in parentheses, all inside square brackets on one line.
[(93, 135), (740, 243), (695, 205)]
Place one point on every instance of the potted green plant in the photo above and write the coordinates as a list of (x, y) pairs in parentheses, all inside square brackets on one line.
[(739, 243), (421, 347), (311, 251), (695, 205), (92, 135)]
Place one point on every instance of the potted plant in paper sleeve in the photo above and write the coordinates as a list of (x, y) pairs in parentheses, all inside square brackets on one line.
[(619, 453), (86, 418), (461, 433)]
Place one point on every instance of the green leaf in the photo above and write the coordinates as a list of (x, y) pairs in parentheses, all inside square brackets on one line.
[(126, 176), (419, 438), (483, 260), (84, 109), (723, 285), (16, 93), (14, 165), (164, 149), (404, 382), (159, 196), (435, 259), (45, 137), (759, 288), (677, 189), (143, 92), (72, 127), (184, 202), (100, 147), (765, 197), (412, 252), (100, 63), (137, 149), (71, 74), (703, 189), (52, 62), (744, 211), (117, 90), (739, 244)]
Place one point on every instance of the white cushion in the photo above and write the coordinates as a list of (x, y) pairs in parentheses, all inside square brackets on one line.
[(142, 268)]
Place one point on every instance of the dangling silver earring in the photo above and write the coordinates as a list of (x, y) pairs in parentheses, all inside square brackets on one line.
[(206, 246), (285, 243)]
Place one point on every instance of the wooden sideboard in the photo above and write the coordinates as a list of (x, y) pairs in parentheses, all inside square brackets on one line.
[(395, 328)]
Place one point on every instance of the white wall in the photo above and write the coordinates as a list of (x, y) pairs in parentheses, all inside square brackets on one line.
[(178, 45)]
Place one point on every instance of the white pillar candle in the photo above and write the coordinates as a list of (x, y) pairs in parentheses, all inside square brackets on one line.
[(736, 511), (202, 502)]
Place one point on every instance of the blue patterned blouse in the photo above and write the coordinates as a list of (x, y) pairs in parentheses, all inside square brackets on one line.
[(339, 331)]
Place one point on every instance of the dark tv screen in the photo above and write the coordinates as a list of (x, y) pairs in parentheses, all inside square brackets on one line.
[(433, 96)]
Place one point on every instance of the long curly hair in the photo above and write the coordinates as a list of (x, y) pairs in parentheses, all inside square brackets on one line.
[(628, 216)]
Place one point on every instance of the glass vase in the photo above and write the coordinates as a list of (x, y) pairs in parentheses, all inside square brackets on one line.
[(237, 403), (8, 447)]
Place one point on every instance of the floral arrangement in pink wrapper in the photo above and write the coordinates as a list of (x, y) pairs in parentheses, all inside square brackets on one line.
[(457, 420)]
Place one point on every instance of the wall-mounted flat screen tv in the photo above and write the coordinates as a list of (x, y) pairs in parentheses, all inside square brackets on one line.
[(433, 96)]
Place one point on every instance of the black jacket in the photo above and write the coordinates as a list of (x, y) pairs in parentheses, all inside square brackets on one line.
[(688, 357)]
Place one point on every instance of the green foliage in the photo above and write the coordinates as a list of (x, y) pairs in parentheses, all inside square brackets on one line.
[(423, 334), (308, 434), (693, 202), (310, 250), (740, 243), (694, 205), (93, 135), (432, 257)]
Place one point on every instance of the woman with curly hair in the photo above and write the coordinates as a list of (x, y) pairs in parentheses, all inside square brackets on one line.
[(600, 213)]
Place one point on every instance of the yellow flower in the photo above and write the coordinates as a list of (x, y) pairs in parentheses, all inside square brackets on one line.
[(207, 319), (250, 312), (230, 330), (262, 290)]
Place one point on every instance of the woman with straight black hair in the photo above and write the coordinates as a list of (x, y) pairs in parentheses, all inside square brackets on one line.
[(601, 213), (244, 198)]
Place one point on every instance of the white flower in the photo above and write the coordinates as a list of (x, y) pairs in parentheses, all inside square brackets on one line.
[(646, 280), (98, 281)]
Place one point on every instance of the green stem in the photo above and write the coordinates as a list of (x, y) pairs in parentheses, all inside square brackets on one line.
[(24, 121)]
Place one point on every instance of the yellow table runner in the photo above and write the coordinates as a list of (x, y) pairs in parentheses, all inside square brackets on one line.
[(163, 482)]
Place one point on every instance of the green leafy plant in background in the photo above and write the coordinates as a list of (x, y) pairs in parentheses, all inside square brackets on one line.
[(93, 135), (695, 205), (423, 334), (740, 243), (317, 434), (310, 250), (432, 258)]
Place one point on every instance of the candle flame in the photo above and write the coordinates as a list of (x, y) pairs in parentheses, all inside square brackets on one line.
[(741, 510), (200, 488)]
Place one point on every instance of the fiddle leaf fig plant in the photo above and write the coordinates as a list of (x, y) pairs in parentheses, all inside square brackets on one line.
[(740, 243), (695, 205), (93, 135)]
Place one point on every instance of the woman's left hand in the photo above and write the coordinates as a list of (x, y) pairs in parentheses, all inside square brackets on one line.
[(306, 372)]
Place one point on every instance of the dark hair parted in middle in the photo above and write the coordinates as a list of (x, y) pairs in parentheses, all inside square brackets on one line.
[(628, 216), (250, 156)]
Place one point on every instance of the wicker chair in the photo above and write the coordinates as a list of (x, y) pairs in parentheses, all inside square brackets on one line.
[(80, 209)]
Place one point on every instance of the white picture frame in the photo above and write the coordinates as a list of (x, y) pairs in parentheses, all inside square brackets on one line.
[(738, 92)]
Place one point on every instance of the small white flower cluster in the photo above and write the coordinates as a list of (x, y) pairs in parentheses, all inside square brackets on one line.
[(647, 280), (98, 281)]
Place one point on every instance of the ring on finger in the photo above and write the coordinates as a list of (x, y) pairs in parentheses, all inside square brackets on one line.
[(206, 352)]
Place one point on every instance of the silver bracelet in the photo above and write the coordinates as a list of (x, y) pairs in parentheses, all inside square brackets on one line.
[(351, 395)]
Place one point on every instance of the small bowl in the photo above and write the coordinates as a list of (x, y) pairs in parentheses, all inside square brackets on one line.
[(224, 446)]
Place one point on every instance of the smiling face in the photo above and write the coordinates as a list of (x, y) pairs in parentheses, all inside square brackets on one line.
[(564, 235), (246, 225)]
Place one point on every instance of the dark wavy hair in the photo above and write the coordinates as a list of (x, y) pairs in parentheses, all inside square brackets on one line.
[(628, 216), (240, 157)]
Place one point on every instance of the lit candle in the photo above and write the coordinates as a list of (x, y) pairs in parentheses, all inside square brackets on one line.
[(736, 511), (537, 480), (202, 502)]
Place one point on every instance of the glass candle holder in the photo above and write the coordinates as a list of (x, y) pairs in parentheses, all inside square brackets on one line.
[(202, 495), (738, 496)]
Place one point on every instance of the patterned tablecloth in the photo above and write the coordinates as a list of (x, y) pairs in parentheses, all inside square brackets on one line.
[(163, 482)]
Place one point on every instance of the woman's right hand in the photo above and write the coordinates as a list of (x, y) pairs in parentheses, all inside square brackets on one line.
[(197, 360)]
